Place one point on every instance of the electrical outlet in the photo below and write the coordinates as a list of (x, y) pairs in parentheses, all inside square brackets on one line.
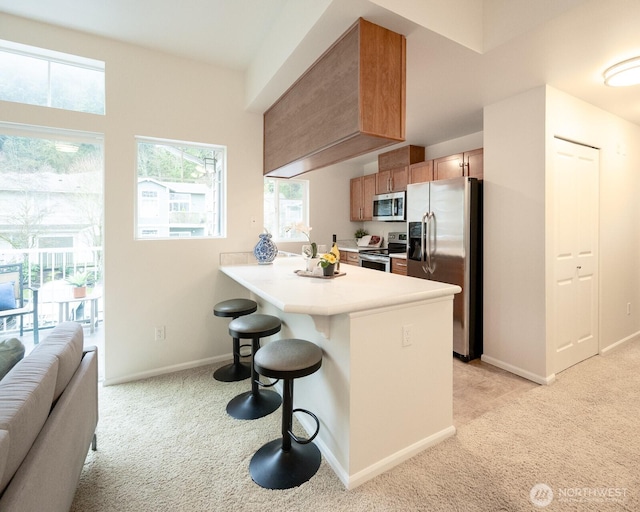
[(406, 335), (628, 308), (160, 333)]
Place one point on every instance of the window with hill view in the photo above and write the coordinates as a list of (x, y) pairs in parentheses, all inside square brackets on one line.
[(181, 190)]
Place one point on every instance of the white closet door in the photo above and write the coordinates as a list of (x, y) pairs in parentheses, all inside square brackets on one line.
[(575, 247)]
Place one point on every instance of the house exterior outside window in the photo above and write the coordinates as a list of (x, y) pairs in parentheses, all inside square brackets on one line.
[(180, 190)]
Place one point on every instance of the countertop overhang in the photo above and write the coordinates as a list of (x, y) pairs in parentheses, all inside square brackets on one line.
[(360, 289)]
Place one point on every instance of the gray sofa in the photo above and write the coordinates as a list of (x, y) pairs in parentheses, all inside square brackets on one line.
[(48, 416)]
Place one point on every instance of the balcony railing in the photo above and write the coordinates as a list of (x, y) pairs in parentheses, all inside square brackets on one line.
[(47, 270)]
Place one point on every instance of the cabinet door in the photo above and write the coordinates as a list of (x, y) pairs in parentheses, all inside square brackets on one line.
[(448, 167), (474, 163), (399, 266), (349, 258), (368, 191), (356, 186), (399, 179), (421, 172), (392, 180), (361, 194), (383, 182)]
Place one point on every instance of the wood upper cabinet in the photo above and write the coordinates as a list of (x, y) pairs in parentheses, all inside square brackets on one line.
[(349, 102), (421, 172), (362, 191), (448, 167), (474, 163), (393, 180), (393, 168), (469, 163)]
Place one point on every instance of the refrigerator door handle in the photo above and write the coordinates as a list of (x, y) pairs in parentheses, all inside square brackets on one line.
[(429, 269), (422, 242)]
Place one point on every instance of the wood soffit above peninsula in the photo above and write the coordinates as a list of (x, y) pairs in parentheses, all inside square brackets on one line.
[(351, 101)]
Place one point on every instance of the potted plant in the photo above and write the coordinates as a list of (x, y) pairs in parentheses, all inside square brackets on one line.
[(328, 263), (360, 233), (79, 282)]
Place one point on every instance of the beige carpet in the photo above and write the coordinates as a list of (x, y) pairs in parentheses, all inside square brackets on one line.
[(166, 444)]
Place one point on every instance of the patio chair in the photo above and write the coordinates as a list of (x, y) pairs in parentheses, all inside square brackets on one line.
[(12, 301)]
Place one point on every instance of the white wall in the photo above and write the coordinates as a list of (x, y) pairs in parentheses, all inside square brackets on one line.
[(174, 283), (518, 135), (514, 235)]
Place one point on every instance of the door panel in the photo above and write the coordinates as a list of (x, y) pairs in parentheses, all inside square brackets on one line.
[(575, 244)]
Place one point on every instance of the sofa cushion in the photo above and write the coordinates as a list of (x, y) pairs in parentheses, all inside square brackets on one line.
[(26, 394), (11, 351), (66, 343)]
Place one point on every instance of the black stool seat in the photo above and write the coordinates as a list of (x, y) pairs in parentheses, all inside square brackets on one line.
[(280, 464), (234, 308), (257, 402), (288, 359), (255, 326)]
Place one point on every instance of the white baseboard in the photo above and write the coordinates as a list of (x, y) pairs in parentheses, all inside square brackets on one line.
[(167, 369), (632, 337), (352, 481), (393, 460), (538, 379)]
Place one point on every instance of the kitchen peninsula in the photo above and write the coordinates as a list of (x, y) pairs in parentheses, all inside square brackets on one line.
[(384, 391)]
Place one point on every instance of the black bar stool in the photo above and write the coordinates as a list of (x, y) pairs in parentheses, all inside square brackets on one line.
[(280, 464), (257, 402), (234, 308)]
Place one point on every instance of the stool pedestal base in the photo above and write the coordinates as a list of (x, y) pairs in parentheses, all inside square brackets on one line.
[(252, 405), (273, 468), (233, 372)]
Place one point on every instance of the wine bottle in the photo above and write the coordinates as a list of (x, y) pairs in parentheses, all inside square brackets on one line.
[(336, 251)]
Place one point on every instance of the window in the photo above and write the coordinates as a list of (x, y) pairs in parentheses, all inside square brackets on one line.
[(51, 79), (286, 203), (181, 189), (51, 196)]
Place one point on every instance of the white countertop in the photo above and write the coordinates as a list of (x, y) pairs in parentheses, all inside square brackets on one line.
[(360, 289)]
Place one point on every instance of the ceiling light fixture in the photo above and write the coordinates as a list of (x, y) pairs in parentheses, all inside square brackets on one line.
[(623, 73)]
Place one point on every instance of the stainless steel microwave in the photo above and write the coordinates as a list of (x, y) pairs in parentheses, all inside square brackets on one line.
[(390, 207)]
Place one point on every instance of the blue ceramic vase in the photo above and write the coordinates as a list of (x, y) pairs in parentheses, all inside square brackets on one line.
[(265, 250)]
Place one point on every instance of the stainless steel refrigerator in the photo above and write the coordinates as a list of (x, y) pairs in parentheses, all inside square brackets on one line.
[(444, 231)]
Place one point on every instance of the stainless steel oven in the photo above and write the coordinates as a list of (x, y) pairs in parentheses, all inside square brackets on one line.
[(379, 259), (375, 261)]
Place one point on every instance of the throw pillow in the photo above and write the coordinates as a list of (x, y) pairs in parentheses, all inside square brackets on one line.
[(11, 352), (7, 296)]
